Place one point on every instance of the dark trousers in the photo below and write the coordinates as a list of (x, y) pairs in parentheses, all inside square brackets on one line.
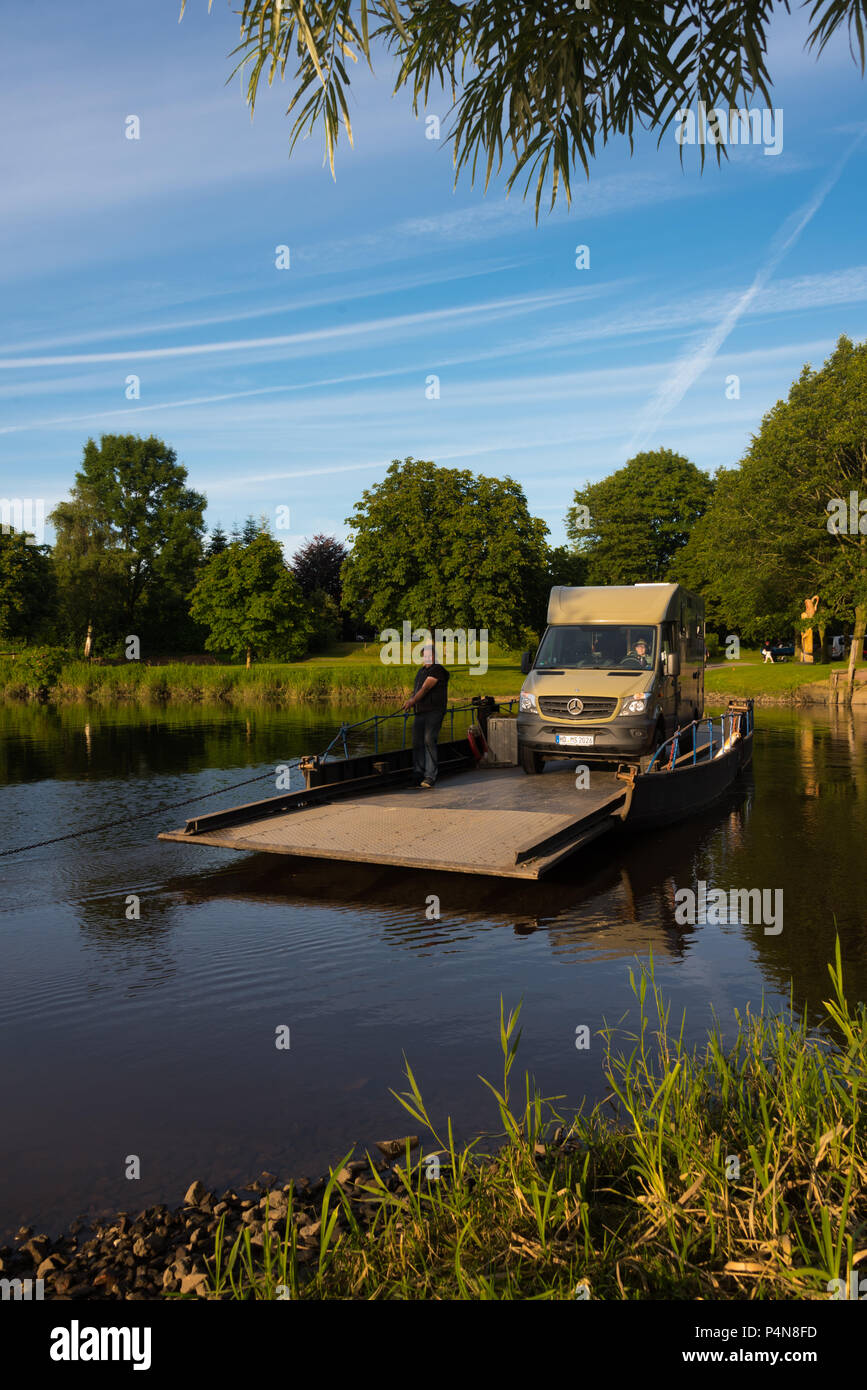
[(425, 728)]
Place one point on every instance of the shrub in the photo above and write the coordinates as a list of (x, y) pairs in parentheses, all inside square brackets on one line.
[(37, 669)]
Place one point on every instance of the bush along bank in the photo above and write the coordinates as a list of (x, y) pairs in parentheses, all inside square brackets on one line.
[(727, 1173)]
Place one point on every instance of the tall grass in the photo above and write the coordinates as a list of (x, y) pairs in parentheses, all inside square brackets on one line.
[(736, 1172), (80, 680), (266, 682)]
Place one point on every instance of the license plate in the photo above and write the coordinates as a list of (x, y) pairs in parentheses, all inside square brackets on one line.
[(579, 740)]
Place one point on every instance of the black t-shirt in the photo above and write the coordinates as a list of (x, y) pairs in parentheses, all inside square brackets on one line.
[(437, 697)]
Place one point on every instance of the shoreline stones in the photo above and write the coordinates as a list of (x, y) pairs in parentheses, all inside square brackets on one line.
[(162, 1251)]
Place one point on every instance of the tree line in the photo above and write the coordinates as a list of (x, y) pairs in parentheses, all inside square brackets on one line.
[(443, 547), (132, 558), (787, 521)]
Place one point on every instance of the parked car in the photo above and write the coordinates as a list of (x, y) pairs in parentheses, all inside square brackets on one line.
[(783, 651)]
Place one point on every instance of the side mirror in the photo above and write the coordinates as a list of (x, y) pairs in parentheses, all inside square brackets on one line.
[(672, 664), (526, 663)]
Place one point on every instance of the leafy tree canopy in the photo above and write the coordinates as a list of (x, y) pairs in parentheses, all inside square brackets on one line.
[(543, 86), (631, 525), (90, 567), (440, 547), (563, 566), (249, 600), (27, 586), (767, 541), (130, 497), (326, 623), (317, 565)]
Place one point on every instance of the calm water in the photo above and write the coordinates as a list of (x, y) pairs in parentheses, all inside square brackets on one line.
[(156, 1037)]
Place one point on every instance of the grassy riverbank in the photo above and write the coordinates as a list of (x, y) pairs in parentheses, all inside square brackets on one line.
[(723, 1172), (351, 672), (347, 673)]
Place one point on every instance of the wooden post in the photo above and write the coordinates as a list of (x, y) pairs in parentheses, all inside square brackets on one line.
[(855, 650)]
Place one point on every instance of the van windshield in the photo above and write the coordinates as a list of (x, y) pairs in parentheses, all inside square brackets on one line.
[(606, 646)]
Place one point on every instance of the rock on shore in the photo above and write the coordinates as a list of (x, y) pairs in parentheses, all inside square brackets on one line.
[(163, 1251)]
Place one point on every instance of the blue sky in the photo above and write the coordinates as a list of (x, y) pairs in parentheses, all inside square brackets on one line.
[(295, 388)]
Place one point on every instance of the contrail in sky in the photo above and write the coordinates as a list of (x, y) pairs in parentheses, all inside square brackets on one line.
[(696, 361), (491, 310)]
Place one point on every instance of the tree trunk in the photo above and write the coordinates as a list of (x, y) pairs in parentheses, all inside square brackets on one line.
[(88, 642), (857, 644), (249, 658)]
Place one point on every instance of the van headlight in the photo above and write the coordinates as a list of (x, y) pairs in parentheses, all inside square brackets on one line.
[(635, 704), (528, 702)]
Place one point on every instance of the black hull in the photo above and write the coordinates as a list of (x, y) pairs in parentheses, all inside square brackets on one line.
[(662, 798)]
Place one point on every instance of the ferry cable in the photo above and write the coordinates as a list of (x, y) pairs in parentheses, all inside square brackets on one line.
[(174, 805), (156, 810)]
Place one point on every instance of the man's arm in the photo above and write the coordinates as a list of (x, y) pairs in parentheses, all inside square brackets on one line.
[(427, 684)]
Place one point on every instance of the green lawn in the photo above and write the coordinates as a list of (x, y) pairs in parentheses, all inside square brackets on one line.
[(752, 676)]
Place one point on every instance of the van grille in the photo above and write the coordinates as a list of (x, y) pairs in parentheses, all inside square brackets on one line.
[(555, 707)]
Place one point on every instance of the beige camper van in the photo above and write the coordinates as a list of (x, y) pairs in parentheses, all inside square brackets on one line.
[(618, 670)]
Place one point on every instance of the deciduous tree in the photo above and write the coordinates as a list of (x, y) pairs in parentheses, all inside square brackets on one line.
[(441, 547), (133, 523), (630, 526), (769, 538), (27, 588), (317, 565), (249, 600)]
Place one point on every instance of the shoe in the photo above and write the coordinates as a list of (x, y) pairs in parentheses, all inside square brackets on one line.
[(425, 783)]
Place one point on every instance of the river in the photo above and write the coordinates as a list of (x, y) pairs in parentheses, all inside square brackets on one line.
[(153, 1037)]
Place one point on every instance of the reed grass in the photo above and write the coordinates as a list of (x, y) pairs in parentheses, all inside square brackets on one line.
[(734, 1172), (264, 683)]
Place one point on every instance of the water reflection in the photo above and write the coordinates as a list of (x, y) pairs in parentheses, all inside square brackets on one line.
[(611, 898), (154, 1033)]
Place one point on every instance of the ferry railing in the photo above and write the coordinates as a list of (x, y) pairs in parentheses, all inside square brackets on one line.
[(733, 722), (376, 721)]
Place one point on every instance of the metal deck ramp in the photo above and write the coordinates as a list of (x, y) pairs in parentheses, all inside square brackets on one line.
[(490, 821)]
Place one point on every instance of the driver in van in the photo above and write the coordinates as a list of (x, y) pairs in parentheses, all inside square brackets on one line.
[(639, 653)]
